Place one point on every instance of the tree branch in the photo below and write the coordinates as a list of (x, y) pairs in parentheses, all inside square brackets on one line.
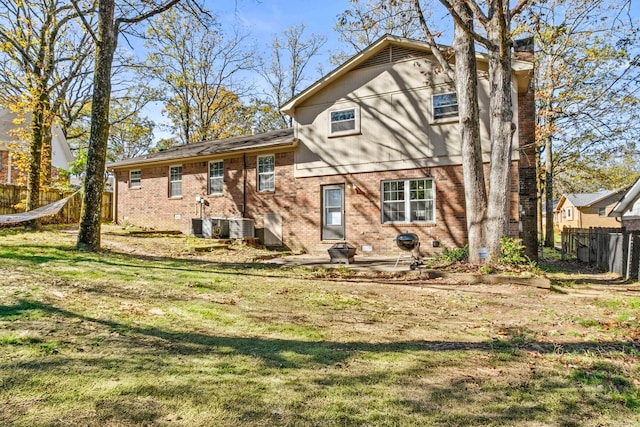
[(435, 49), (168, 5), (85, 23), (459, 21)]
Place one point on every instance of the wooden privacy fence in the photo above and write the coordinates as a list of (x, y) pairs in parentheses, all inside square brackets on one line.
[(13, 197), (610, 249)]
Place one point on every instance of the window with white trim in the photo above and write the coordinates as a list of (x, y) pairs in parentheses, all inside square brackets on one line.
[(409, 200), (445, 106), (267, 173), (135, 179), (216, 177), (344, 122), (175, 181), (602, 211), (569, 213)]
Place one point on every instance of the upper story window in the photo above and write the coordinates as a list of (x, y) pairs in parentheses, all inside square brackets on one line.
[(410, 200), (445, 106), (175, 181), (344, 122), (602, 211), (135, 179), (267, 173), (216, 177)]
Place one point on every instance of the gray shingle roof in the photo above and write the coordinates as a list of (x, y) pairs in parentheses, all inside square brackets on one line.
[(587, 199), (267, 140)]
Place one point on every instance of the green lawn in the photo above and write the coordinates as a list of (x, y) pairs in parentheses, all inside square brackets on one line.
[(117, 339)]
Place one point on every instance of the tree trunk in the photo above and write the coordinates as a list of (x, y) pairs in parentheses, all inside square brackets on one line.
[(90, 217), (540, 185), (548, 192), (47, 152), (468, 111), (501, 120), (35, 157)]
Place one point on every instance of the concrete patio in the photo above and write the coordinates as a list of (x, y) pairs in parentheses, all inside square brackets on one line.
[(360, 263)]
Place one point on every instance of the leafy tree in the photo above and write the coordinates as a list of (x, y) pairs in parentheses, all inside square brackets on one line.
[(106, 39), (131, 134), (42, 51), (198, 68), (285, 71), (587, 86), (261, 116)]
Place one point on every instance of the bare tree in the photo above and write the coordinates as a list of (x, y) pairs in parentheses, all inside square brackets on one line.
[(285, 71), (367, 20)]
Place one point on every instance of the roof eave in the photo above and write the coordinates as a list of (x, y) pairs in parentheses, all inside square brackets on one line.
[(521, 68), (293, 144)]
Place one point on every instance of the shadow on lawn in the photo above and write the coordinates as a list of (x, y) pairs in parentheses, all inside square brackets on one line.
[(522, 399), (270, 350), (37, 254)]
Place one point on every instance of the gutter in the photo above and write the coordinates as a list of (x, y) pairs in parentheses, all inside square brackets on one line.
[(293, 144)]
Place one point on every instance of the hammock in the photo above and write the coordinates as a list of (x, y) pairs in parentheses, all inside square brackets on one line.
[(41, 212)]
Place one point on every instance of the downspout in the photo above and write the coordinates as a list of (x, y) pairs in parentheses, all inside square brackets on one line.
[(244, 184)]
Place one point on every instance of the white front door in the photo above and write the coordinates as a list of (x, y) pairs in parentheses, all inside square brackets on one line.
[(333, 212)]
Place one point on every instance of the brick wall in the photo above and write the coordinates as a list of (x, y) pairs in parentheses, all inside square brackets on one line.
[(298, 201), (524, 50)]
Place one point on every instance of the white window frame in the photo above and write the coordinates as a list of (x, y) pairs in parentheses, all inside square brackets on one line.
[(260, 184), (135, 182), (443, 116), (356, 121), (173, 182), (407, 201), (569, 214), (602, 212), (217, 178)]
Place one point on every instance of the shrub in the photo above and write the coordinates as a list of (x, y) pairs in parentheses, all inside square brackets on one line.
[(512, 252), (455, 254)]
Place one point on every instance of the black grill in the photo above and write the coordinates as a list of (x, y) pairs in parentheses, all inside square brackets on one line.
[(407, 241)]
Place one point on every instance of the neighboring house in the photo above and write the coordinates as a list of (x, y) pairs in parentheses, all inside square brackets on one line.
[(375, 151), (9, 173), (627, 210), (584, 210)]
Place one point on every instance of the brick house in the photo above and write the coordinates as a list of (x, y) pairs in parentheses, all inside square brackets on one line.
[(374, 151), (9, 173), (584, 210)]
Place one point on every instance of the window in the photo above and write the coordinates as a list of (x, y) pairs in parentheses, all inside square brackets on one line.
[(344, 122), (175, 181), (216, 177), (569, 213), (602, 211), (409, 200), (266, 173), (135, 179), (445, 105)]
